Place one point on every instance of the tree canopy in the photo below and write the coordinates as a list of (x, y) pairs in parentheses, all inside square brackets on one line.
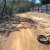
[(45, 1), (15, 6)]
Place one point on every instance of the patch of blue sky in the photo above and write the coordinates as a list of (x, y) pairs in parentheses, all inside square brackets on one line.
[(36, 1)]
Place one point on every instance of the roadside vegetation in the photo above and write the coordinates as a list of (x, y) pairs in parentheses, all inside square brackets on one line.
[(8, 9), (19, 6)]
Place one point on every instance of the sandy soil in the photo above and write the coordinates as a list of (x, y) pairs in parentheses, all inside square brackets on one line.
[(26, 38)]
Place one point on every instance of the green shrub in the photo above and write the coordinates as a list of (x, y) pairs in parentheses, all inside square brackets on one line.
[(17, 8)]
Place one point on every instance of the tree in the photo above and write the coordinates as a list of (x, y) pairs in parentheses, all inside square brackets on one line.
[(4, 8), (12, 7), (45, 1)]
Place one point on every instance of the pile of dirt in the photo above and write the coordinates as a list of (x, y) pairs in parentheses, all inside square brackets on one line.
[(10, 24)]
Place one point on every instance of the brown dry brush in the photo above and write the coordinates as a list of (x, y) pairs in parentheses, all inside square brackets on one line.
[(7, 22), (4, 18)]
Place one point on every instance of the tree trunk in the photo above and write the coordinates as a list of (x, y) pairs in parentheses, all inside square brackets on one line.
[(4, 8), (12, 8)]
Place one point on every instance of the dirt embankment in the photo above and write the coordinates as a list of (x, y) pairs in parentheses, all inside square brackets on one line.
[(25, 38)]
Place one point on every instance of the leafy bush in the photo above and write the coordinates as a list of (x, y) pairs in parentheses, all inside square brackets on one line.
[(17, 8)]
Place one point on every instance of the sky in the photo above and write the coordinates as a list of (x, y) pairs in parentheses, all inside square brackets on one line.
[(37, 1)]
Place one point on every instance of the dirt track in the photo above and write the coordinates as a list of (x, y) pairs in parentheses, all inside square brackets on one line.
[(26, 38)]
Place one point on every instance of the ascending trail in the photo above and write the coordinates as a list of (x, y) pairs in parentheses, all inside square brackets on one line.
[(26, 39)]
